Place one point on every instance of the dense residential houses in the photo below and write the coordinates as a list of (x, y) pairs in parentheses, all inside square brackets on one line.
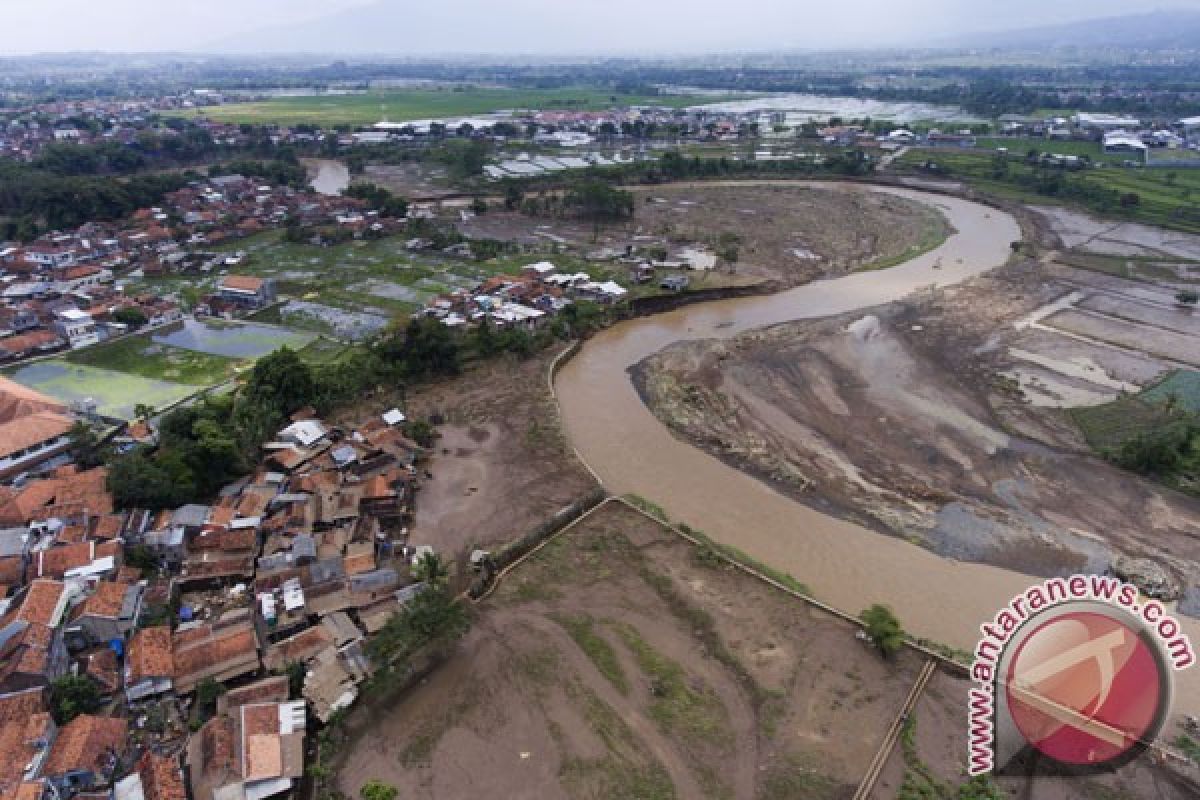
[(526, 301), (294, 565), (60, 292)]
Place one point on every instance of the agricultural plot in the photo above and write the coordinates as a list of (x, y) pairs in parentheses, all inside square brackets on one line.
[(138, 355), (115, 394), (1165, 197), (161, 368), (379, 277), (417, 104), (239, 340)]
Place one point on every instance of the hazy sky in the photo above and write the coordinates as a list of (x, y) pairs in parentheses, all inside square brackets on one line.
[(550, 26)]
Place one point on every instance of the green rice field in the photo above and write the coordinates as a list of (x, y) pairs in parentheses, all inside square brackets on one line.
[(1106, 427), (1168, 198), (116, 394), (414, 104), (163, 367)]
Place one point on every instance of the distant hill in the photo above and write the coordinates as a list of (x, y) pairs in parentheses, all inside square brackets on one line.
[(1156, 30)]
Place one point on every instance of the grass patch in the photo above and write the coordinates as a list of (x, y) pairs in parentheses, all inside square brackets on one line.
[(582, 630), (794, 776), (934, 232), (626, 771), (1183, 385), (710, 546), (651, 508), (694, 714), (138, 355), (1188, 746)]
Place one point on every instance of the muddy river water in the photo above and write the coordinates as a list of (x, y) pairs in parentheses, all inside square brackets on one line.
[(844, 564)]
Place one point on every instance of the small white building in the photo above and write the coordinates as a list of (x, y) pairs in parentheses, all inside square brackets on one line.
[(77, 327)]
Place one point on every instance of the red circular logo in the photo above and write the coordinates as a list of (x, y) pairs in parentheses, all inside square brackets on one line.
[(1085, 688)]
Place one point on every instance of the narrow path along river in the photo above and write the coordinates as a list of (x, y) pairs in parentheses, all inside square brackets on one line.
[(844, 564)]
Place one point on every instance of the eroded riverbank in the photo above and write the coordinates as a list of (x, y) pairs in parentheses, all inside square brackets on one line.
[(843, 563)]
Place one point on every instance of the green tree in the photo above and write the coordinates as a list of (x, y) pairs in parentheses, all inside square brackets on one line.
[(377, 790), (296, 672), (883, 628), (426, 349), (132, 316), (595, 200), (282, 382), (431, 622), (85, 447), (72, 695), (431, 570), (207, 692)]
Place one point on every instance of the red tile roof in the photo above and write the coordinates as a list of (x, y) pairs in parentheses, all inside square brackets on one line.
[(106, 601), (41, 602), (161, 778), (151, 654), (86, 743)]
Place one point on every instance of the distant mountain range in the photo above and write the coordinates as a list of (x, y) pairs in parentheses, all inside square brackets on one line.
[(389, 28), (1156, 30)]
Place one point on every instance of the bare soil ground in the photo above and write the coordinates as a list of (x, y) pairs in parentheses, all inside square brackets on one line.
[(409, 180), (620, 662), (790, 234), (501, 464), (910, 418)]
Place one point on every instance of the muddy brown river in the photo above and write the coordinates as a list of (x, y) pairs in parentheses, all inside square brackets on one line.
[(844, 564)]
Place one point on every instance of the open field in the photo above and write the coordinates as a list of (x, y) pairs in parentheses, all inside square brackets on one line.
[(1020, 145), (500, 440), (619, 662), (416, 104), (790, 233)]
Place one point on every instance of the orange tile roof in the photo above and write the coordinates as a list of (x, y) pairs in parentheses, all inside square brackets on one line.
[(17, 749), (12, 571), (41, 602), (34, 496), (229, 644), (34, 429), (244, 283), (161, 778), (19, 401), (151, 654), (108, 526), (268, 690), (101, 666), (221, 516), (84, 743), (88, 489), (106, 601), (72, 534), (55, 562), (360, 562)]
